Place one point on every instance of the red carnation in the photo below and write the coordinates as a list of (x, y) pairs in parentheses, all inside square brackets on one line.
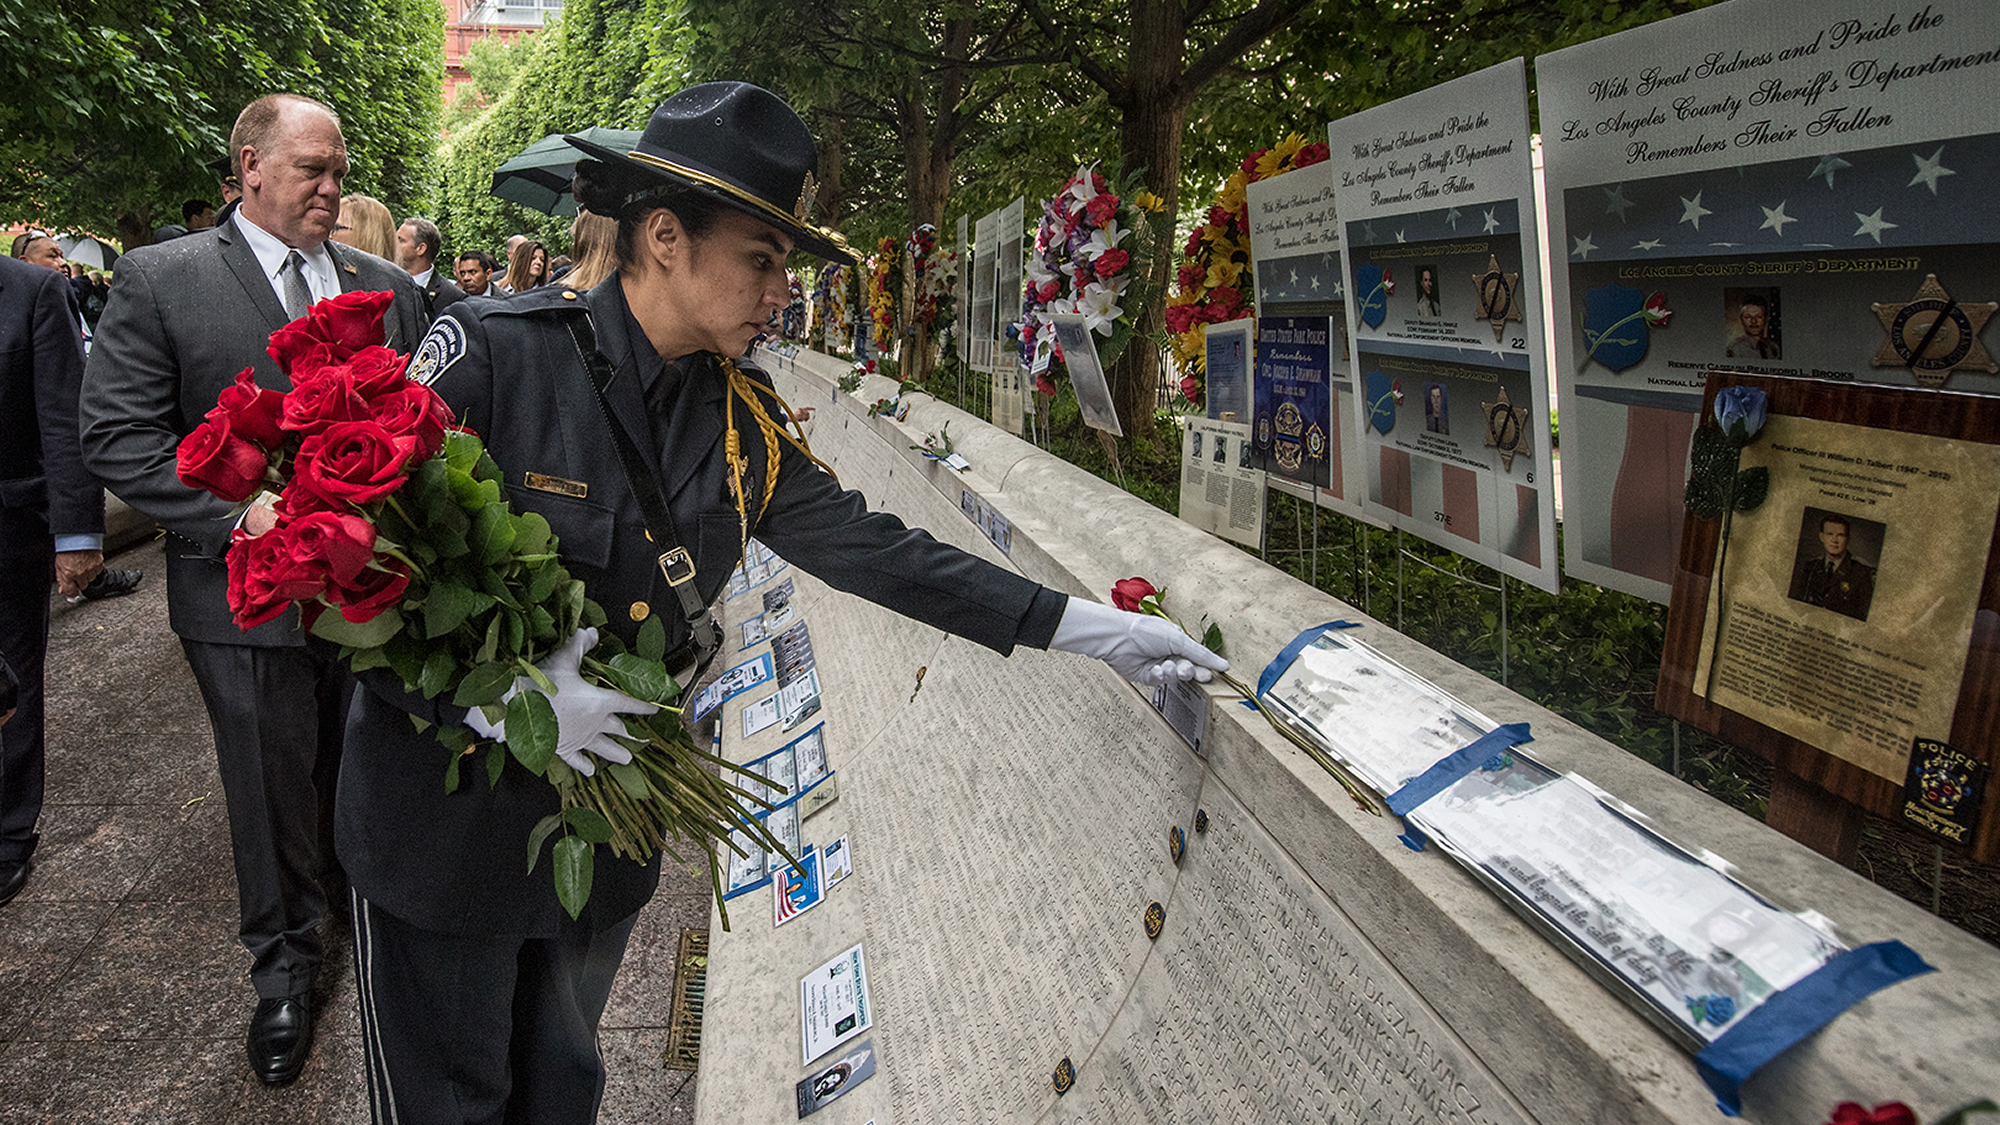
[(1048, 291), (1250, 162), (1218, 216), (252, 410), (1128, 593), (1110, 262), (1191, 276), (1311, 154), (1101, 208), (1190, 388), (1043, 383), (1193, 242), (1227, 297), (1180, 318), (215, 459), (358, 462)]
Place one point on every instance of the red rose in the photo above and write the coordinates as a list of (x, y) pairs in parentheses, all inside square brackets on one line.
[(1101, 208), (348, 323), (1888, 1113), (1191, 276), (329, 398), (414, 410), (377, 370), (358, 462), (294, 503), (214, 459), (252, 410), (1110, 262), (265, 578), (375, 589), (1127, 593), (338, 543)]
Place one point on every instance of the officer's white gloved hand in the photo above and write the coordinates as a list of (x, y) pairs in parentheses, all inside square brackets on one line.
[(1142, 648), (586, 715)]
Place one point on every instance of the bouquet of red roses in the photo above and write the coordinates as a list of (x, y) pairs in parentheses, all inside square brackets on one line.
[(393, 516)]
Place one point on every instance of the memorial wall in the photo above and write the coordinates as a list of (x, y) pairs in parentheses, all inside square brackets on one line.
[(1026, 918)]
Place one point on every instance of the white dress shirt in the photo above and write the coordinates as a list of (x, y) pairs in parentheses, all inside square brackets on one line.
[(322, 276)]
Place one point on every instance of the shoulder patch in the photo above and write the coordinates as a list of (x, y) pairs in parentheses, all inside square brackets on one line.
[(443, 346)]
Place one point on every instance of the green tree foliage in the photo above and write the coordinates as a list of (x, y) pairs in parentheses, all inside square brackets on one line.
[(114, 106), (605, 62)]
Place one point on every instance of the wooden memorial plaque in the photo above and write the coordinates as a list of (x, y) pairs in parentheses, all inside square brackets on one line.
[(1857, 614)]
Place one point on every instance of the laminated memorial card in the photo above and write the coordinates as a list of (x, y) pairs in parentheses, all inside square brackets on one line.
[(833, 1003), (1295, 251), (1831, 624), (1222, 480), (1436, 194), (1780, 187)]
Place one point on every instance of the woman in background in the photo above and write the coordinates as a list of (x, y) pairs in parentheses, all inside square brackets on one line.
[(529, 268), (593, 242), (365, 225)]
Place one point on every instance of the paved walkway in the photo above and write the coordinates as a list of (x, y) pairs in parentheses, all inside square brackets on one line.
[(123, 991)]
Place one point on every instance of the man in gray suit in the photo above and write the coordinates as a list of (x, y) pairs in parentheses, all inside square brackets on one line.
[(183, 320)]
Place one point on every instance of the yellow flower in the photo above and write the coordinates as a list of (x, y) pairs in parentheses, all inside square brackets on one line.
[(1147, 201), (1279, 157), (1224, 272)]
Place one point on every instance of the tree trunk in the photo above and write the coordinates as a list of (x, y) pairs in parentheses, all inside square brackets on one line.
[(1154, 105), (134, 231), (831, 203)]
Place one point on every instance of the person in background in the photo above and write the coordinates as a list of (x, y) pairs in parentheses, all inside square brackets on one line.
[(51, 526), (475, 274), (38, 249), (559, 268), (530, 267), (365, 225), (197, 214), (593, 240), (417, 245)]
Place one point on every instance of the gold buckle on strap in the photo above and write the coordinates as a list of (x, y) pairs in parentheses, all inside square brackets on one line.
[(677, 566)]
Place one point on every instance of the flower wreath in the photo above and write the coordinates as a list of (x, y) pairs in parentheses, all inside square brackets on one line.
[(1081, 265)]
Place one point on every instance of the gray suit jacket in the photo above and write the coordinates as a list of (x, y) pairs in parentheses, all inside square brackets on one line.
[(184, 318)]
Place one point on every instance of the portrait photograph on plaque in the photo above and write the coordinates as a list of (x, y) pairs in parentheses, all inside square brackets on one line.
[(1829, 621)]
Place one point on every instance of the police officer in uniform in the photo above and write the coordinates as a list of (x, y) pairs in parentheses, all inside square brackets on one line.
[(480, 997), (1837, 580)]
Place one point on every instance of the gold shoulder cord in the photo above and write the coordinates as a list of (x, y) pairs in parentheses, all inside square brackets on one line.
[(743, 387)]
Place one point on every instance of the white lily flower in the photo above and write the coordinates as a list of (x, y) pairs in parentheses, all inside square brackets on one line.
[(1037, 272), (1083, 187), (1103, 238), (1099, 307)]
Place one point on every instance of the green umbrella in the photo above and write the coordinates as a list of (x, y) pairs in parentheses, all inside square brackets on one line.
[(539, 177)]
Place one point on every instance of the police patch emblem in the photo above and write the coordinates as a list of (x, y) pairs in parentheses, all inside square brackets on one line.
[(443, 346)]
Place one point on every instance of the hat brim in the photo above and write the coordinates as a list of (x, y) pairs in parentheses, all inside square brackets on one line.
[(811, 239)]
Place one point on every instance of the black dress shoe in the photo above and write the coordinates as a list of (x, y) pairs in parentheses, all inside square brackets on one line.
[(280, 1038), (113, 584), (13, 876)]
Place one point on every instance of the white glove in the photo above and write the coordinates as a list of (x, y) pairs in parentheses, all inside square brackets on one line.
[(586, 715), (1142, 648)]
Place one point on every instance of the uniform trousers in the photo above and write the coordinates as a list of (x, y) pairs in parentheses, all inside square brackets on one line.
[(27, 565), (279, 714), (489, 1029)]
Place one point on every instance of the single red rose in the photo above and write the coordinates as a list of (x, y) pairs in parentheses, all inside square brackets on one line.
[(1127, 593), (1191, 276), (351, 320), (291, 343), (1101, 208), (252, 410), (328, 399), (1110, 262), (215, 459), (314, 361), (359, 462), (377, 370), (375, 589), (265, 576), (296, 502), (337, 542), (414, 410), (1888, 1113)]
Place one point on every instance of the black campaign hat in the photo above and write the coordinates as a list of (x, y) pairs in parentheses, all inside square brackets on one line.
[(740, 145)]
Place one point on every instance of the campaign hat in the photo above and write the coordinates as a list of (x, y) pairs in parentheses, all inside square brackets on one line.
[(740, 145)]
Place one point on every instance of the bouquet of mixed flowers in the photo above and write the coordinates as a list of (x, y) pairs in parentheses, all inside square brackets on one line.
[(1082, 264), (933, 277), (882, 286), (395, 540), (830, 301), (1215, 278)]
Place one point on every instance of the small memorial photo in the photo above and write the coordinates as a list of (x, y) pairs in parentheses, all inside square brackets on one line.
[(1221, 449), (1196, 439), (1243, 452), (1427, 291), (1751, 324), (1836, 562), (1437, 413)]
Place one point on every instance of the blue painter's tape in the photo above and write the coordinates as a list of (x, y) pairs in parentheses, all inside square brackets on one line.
[(1284, 659), (1446, 772), (1778, 1023)]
